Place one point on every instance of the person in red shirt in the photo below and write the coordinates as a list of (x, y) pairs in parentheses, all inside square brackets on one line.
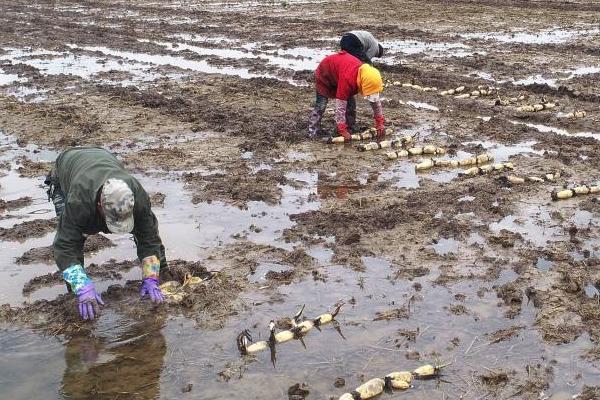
[(341, 76)]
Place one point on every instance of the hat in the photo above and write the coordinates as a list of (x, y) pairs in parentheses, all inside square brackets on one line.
[(369, 80), (117, 202)]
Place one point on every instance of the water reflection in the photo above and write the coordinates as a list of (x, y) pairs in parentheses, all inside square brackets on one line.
[(126, 366)]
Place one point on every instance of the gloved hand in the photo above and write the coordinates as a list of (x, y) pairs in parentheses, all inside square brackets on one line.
[(343, 131), (88, 301), (85, 290), (380, 126), (150, 288)]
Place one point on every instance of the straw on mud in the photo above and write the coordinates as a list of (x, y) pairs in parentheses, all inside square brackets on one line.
[(471, 345)]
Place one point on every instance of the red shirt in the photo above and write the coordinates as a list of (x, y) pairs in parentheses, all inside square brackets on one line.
[(336, 76)]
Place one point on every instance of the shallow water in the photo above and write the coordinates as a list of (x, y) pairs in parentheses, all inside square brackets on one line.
[(559, 131), (161, 357), (550, 36), (164, 357)]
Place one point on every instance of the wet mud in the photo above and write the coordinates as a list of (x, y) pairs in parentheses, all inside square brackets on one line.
[(28, 229), (208, 105)]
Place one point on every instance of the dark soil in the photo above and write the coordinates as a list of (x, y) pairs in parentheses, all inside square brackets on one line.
[(15, 204), (28, 229)]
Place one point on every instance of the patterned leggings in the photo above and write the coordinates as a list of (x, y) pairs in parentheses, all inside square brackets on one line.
[(343, 108)]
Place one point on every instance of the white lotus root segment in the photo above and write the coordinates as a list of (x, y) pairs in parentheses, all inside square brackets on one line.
[(517, 180), (425, 371), (575, 114), (480, 92), (398, 380), (369, 134), (416, 151), (576, 191), (451, 92), (394, 380), (416, 87), (384, 144), (299, 329), (433, 162), (486, 169), (536, 107)]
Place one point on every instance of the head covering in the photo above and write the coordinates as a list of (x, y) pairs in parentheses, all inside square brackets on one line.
[(117, 201), (369, 80)]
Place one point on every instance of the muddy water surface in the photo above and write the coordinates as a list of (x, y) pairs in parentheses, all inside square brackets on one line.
[(207, 103)]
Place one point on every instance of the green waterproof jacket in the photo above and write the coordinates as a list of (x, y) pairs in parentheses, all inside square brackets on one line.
[(80, 172)]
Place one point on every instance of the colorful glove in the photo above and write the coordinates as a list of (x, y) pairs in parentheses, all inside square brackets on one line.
[(380, 126), (343, 131), (150, 288), (85, 290), (150, 271), (88, 301)]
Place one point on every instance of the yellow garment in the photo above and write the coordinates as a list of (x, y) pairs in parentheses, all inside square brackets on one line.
[(369, 80)]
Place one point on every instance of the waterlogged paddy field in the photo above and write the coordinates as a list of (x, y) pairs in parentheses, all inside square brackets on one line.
[(207, 104)]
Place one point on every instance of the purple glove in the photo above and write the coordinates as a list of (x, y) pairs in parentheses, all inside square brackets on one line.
[(150, 288), (88, 301)]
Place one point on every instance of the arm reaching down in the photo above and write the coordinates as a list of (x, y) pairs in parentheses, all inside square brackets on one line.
[(378, 117), (149, 247), (341, 107)]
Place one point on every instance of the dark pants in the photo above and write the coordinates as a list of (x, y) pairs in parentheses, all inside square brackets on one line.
[(314, 121)]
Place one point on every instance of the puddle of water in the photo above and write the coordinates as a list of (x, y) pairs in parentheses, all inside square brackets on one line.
[(445, 246), (298, 156), (559, 131), (178, 62), (28, 94), (586, 70), (297, 59), (533, 223), (550, 36), (591, 291), (7, 79), (553, 82), (543, 264), (422, 106), (536, 79), (503, 152), (443, 176), (203, 39), (80, 65), (23, 353), (402, 174), (476, 238), (582, 219), (437, 49)]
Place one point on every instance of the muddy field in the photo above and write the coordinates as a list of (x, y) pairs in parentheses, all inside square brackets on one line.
[(207, 104)]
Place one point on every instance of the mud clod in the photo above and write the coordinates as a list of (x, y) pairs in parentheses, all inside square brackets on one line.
[(28, 229), (15, 204)]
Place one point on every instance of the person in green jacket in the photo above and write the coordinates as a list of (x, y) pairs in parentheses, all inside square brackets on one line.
[(92, 192)]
